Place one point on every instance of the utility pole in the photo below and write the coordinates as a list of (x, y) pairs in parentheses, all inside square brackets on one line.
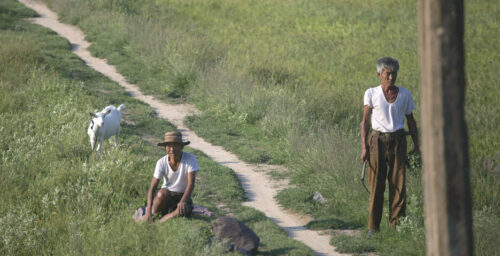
[(445, 150)]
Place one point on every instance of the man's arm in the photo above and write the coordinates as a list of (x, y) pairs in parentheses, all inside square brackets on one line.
[(365, 127), (412, 126), (182, 205), (151, 191)]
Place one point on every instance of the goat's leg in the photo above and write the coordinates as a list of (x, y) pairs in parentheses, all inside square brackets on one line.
[(101, 139), (116, 138)]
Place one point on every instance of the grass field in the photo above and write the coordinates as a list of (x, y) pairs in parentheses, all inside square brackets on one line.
[(59, 198), (282, 82)]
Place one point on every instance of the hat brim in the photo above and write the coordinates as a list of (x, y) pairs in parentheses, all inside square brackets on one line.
[(163, 144)]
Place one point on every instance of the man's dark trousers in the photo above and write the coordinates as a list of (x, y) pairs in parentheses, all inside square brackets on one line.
[(387, 161)]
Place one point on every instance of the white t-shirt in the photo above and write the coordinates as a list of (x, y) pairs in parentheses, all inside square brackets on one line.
[(388, 117), (176, 181)]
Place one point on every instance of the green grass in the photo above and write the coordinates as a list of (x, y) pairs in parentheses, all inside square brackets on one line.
[(59, 198), (282, 82)]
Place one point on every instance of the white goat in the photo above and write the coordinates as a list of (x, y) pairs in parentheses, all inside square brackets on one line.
[(104, 125)]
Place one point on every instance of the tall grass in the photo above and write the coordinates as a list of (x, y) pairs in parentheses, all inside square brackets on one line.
[(282, 82), (59, 198)]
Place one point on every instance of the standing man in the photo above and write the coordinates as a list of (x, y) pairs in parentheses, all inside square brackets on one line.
[(386, 107), (178, 171)]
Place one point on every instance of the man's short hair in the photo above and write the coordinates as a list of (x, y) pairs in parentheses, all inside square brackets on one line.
[(388, 63)]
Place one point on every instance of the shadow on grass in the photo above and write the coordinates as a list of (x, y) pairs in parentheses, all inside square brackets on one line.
[(279, 251), (204, 218), (252, 219), (332, 223)]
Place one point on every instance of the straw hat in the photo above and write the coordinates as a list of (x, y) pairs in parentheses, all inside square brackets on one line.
[(173, 137)]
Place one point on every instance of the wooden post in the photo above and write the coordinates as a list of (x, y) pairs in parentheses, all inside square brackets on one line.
[(444, 133)]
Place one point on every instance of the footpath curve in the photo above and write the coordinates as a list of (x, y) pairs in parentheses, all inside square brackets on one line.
[(259, 189)]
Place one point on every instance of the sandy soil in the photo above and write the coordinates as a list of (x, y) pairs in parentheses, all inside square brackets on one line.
[(259, 189)]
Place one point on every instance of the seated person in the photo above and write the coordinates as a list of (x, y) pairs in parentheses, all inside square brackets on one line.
[(178, 171)]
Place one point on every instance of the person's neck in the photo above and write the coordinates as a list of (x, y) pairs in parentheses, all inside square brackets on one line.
[(175, 158), (386, 87)]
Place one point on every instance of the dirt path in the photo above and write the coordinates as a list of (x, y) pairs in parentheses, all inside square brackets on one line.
[(259, 189)]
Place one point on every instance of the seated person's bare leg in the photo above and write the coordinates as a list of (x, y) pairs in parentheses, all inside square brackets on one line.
[(173, 214), (160, 201), (177, 213)]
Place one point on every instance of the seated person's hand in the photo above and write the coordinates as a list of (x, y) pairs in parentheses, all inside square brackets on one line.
[(182, 207), (146, 218), (149, 218)]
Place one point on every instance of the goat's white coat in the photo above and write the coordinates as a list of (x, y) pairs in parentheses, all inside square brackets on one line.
[(104, 125)]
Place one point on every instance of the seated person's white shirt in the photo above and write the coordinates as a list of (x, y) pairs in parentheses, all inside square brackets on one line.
[(388, 117), (176, 181)]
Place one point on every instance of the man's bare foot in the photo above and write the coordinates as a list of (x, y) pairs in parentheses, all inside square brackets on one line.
[(171, 215)]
